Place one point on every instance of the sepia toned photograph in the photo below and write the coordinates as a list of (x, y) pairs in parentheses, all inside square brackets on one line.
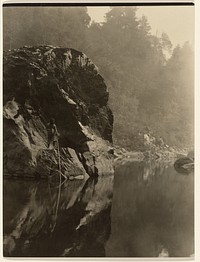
[(98, 130)]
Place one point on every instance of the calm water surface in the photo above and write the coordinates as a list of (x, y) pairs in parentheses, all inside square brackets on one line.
[(152, 212), (152, 215)]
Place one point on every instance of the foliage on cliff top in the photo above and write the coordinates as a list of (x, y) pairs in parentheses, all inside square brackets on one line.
[(146, 88)]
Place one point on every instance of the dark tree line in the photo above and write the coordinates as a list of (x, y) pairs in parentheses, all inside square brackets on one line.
[(146, 88)]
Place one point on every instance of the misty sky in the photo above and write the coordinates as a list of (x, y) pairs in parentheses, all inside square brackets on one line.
[(176, 21)]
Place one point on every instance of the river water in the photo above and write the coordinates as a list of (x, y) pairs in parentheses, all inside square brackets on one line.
[(145, 210)]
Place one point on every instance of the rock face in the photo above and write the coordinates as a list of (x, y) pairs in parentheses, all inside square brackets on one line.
[(47, 82)]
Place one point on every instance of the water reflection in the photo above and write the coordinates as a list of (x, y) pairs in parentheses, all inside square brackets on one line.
[(152, 215), (152, 212), (33, 227)]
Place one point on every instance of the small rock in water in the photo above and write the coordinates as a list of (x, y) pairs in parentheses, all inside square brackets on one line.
[(184, 165)]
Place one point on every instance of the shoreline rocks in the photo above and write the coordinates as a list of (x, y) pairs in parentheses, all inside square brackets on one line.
[(184, 165)]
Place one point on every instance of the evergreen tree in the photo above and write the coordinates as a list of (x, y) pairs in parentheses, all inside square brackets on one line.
[(147, 88)]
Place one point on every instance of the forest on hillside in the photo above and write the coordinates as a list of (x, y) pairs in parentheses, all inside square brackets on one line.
[(147, 87)]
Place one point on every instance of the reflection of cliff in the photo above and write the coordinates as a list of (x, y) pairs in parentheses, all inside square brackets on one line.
[(152, 212), (80, 228)]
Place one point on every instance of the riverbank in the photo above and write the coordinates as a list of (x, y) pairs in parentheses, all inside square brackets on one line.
[(168, 154)]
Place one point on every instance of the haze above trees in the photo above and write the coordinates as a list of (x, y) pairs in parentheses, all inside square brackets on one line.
[(146, 89)]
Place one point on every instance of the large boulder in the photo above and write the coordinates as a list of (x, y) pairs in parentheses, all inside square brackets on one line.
[(52, 82)]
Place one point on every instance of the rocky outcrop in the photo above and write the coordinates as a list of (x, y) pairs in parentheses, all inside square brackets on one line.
[(184, 165), (52, 82)]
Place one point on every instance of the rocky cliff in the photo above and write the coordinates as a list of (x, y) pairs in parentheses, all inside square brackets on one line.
[(40, 83)]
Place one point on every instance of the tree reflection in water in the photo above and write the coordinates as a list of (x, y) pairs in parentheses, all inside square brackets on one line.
[(152, 212), (152, 215)]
